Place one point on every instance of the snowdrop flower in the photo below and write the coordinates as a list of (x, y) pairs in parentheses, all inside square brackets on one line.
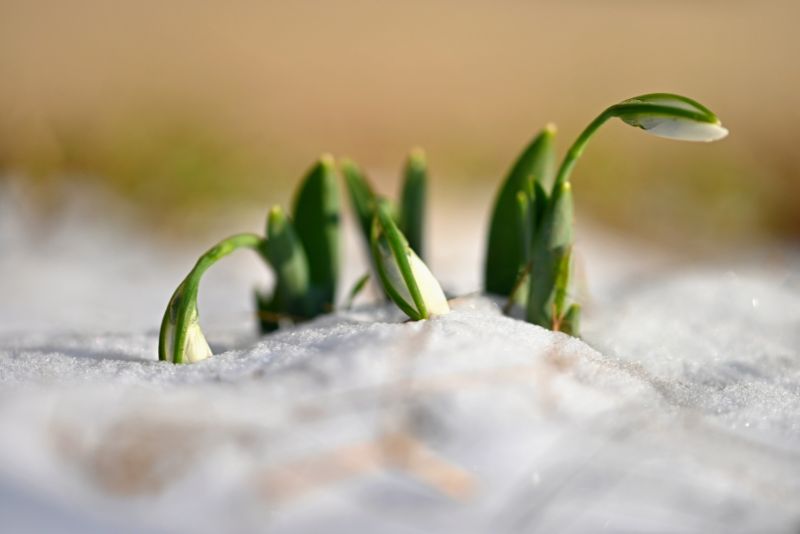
[(673, 117), (181, 340), (660, 114), (194, 346), (404, 276)]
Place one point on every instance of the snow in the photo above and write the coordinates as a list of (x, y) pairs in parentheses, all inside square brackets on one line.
[(679, 411)]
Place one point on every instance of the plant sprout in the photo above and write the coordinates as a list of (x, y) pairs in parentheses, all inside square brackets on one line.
[(505, 257), (530, 236), (181, 340), (409, 215), (304, 256), (304, 253), (539, 248), (291, 297), (403, 275), (411, 219), (388, 254)]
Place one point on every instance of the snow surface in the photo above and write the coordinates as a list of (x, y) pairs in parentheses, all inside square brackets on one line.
[(680, 412)]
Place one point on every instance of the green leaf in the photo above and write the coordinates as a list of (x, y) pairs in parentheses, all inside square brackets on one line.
[(525, 221), (412, 200), (316, 220), (558, 223), (562, 282), (285, 252), (357, 288), (504, 257), (362, 196), (553, 241), (389, 245)]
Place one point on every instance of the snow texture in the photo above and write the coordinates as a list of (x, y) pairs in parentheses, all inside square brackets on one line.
[(679, 412)]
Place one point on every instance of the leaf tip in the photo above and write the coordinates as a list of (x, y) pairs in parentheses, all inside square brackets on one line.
[(327, 161)]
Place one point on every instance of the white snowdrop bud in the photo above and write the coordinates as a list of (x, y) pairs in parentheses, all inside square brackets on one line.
[(180, 339), (196, 347), (404, 276), (429, 288), (671, 116)]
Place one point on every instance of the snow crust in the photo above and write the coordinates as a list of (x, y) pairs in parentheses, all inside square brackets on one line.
[(678, 412)]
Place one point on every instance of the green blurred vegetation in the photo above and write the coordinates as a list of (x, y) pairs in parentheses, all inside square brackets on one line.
[(191, 107)]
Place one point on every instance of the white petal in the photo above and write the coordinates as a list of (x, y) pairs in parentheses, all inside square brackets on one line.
[(196, 347), (429, 287), (683, 129), (394, 276)]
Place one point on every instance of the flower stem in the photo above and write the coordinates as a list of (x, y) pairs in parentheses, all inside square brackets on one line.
[(577, 148)]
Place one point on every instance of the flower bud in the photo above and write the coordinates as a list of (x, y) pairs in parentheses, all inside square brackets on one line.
[(405, 277), (671, 116)]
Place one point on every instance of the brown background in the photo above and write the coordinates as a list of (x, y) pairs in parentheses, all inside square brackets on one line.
[(191, 108)]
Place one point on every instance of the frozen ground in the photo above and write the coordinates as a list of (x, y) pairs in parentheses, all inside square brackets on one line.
[(679, 413)]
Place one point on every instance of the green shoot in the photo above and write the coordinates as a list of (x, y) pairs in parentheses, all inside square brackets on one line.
[(316, 221), (505, 257), (412, 201), (356, 290), (362, 196), (531, 228), (403, 275), (284, 252), (181, 340)]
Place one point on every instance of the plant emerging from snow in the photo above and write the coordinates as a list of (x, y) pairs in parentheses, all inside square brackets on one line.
[(394, 235), (529, 249), (403, 275), (181, 340), (530, 237), (303, 252)]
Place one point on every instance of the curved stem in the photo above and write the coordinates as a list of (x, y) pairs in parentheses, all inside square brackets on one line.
[(627, 108), (577, 147), (184, 301)]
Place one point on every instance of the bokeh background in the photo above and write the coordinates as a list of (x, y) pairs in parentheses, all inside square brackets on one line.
[(191, 111)]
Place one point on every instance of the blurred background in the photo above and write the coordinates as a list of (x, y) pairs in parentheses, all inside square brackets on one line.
[(194, 111)]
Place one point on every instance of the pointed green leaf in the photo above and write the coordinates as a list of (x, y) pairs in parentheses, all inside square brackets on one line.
[(504, 257), (553, 241), (285, 252), (412, 200), (356, 290), (316, 221), (362, 196)]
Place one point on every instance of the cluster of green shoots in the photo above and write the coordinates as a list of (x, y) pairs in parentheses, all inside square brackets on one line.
[(529, 252)]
